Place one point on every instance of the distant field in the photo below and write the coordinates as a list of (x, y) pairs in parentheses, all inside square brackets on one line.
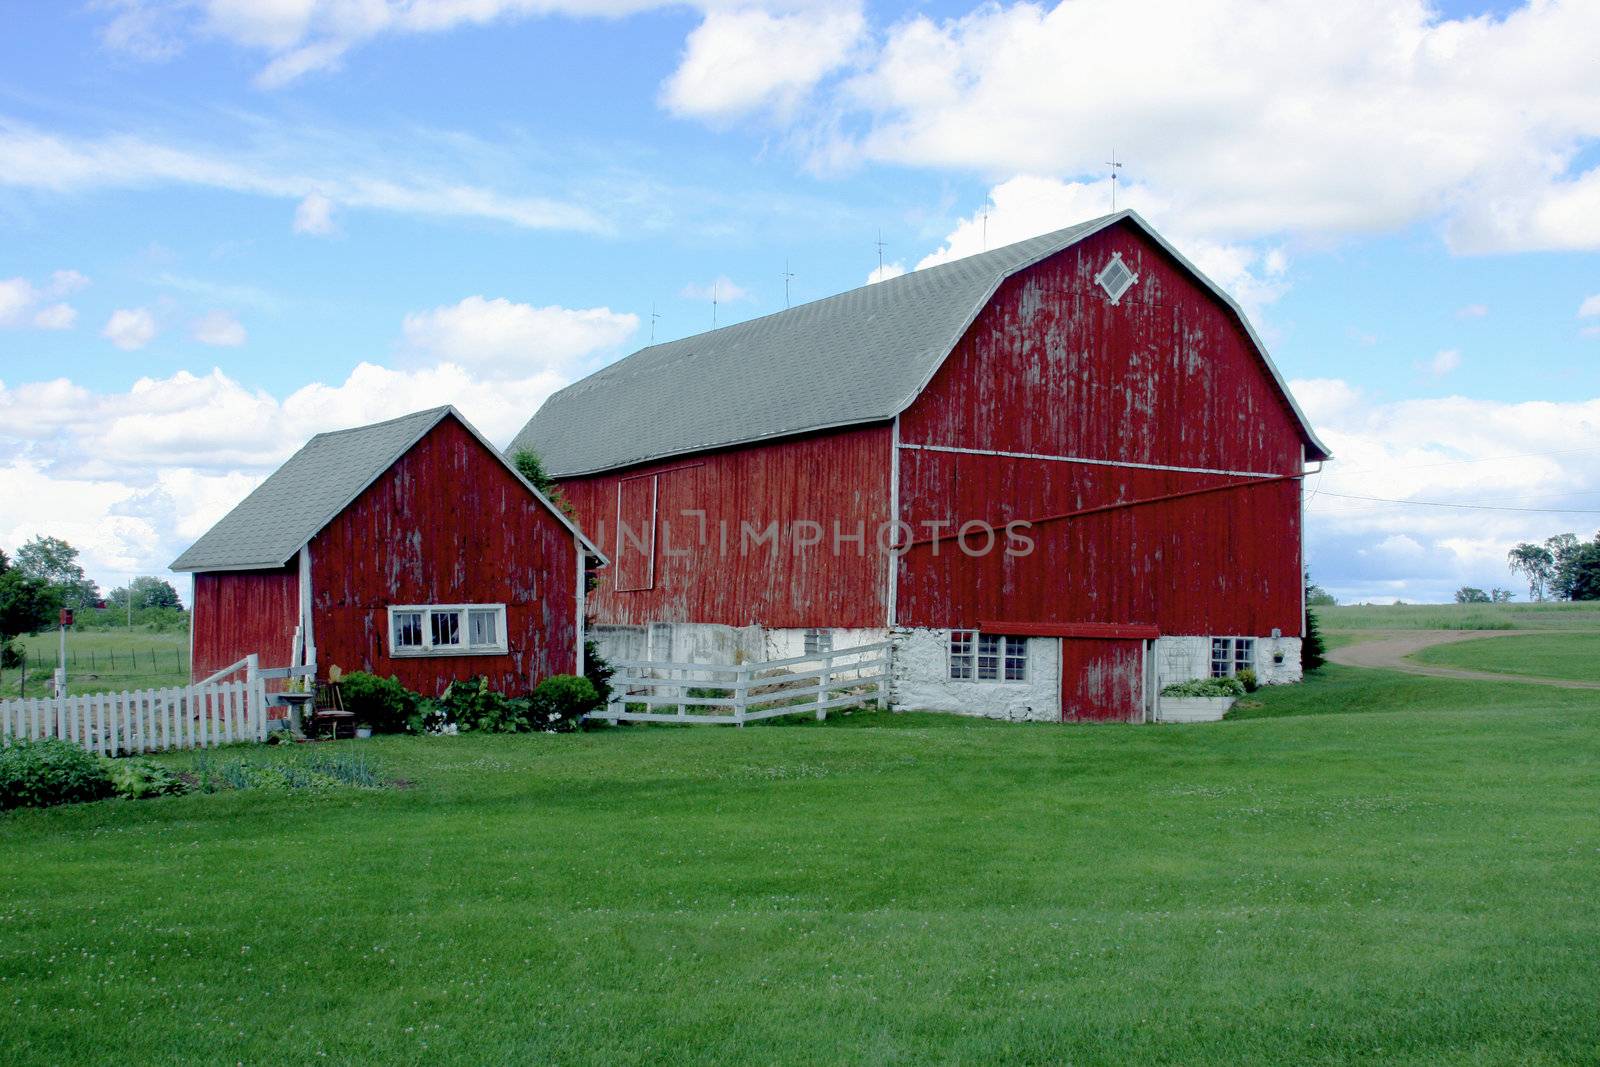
[(102, 661), (1572, 656), (1563, 616)]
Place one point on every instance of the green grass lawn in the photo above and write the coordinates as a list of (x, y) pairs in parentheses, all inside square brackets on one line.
[(100, 661), (1411, 885), (1573, 656), (1546, 616)]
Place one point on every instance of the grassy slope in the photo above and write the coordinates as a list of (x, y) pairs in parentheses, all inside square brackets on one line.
[(121, 661), (1575, 656), (1549, 616), (1301, 888)]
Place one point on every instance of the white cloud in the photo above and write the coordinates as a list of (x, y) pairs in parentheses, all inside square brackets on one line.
[(885, 272), (1443, 363), (218, 328), (1448, 450), (295, 169), (20, 301), (130, 328), (1381, 114), (723, 289), (1472, 311), (500, 338), (745, 59), (314, 216), (1590, 307)]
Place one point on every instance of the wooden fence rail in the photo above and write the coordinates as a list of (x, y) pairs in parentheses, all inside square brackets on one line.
[(145, 720), (737, 693)]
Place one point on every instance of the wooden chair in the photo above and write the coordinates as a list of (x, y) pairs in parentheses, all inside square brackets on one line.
[(329, 718)]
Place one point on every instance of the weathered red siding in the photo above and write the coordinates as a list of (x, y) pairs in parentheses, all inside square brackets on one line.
[(1101, 680), (447, 524), (1167, 377), (683, 572), (240, 612)]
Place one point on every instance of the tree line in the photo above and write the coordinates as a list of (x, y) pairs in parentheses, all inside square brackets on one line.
[(1562, 568), (45, 576)]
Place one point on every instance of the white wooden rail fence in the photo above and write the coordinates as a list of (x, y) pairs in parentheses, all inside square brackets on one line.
[(212, 712), (737, 693)]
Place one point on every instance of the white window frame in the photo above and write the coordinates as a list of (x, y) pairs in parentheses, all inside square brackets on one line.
[(1230, 655), (980, 657), (463, 613), (1112, 265), (818, 642)]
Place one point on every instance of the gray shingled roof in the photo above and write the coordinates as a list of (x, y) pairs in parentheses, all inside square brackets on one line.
[(860, 356), (268, 527)]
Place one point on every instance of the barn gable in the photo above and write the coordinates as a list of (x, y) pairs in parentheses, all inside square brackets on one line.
[(858, 357)]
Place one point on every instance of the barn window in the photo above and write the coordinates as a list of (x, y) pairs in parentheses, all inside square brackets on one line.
[(818, 642), (1230, 655), (1116, 278), (987, 657), (447, 629)]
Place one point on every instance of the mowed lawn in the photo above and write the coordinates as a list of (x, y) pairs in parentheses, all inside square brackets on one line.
[(1571, 656), (1413, 882), (1547, 615)]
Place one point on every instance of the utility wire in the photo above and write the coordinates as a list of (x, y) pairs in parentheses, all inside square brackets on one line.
[(1469, 507)]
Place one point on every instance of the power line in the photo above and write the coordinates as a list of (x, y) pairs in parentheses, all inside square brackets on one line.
[(1459, 462), (1469, 507)]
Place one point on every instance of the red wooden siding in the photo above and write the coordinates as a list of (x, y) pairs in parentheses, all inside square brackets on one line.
[(1102, 680), (240, 612), (842, 477), (447, 524), (1167, 377)]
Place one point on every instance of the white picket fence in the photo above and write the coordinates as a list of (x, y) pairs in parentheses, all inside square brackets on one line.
[(735, 694), (148, 720)]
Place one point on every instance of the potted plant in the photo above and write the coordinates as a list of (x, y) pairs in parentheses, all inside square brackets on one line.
[(363, 731)]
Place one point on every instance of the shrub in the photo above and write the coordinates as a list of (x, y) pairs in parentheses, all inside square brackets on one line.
[(1205, 687), (1247, 678), (598, 670), (381, 703), (37, 774), (558, 703), (136, 778), (469, 704)]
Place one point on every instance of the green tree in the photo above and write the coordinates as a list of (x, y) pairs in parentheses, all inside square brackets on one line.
[(1564, 550), (26, 605), (1501, 596), (1312, 653), (1468, 594), (55, 563), (1536, 563), (148, 592), (1316, 596), (531, 467), (1585, 583)]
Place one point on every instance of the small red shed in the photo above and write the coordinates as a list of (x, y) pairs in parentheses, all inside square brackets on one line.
[(410, 547)]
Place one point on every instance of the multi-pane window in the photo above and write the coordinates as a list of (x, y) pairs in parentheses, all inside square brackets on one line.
[(961, 642), (1230, 655), (447, 629), (818, 642), (987, 657)]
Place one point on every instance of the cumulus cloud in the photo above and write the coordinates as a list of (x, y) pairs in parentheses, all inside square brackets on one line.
[(1539, 456), (1443, 363), (218, 328), (885, 272), (130, 328), (500, 337), (314, 216), (741, 60), (1590, 308), (22, 302)]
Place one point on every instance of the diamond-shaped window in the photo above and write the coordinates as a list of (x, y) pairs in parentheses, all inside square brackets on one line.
[(1115, 278)]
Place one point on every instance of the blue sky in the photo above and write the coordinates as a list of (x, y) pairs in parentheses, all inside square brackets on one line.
[(227, 225)]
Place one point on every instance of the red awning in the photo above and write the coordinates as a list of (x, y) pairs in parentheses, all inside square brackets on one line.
[(1132, 631)]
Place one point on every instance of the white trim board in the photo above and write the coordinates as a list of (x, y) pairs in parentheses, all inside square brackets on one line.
[(1089, 461)]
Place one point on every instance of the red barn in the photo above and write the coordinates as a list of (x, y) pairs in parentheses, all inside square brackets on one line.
[(409, 547), (1058, 475)]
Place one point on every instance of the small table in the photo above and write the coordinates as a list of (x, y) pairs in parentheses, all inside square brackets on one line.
[(334, 719), (296, 703)]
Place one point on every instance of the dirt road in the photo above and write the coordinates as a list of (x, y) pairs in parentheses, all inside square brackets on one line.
[(1389, 649)]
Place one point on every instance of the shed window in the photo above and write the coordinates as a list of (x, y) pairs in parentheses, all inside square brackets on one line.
[(1116, 278), (987, 657), (447, 630), (1230, 655), (818, 642)]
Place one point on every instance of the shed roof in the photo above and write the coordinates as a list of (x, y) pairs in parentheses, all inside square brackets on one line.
[(314, 485), (861, 356)]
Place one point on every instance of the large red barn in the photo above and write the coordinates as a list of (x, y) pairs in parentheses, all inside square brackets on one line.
[(409, 548), (1095, 416)]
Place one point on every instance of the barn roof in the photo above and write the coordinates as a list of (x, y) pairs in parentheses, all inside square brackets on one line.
[(861, 356), (270, 525)]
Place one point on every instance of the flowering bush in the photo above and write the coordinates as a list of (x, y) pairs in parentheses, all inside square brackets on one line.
[(559, 702)]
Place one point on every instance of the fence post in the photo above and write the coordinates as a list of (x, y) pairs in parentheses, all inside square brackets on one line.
[(741, 694), (255, 699), (822, 686), (887, 655)]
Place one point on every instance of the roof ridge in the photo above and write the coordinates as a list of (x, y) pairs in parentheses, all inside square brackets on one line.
[(439, 411)]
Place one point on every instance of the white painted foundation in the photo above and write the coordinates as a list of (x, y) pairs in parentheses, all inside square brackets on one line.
[(921, 681)]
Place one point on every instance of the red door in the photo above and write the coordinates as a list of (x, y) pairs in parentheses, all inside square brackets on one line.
[(1102, 680)]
